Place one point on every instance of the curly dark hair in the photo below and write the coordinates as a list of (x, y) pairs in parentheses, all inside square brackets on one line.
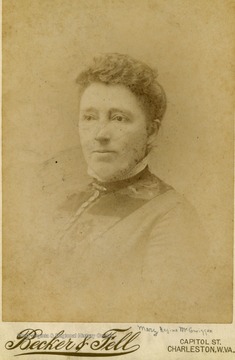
[(114, 68)]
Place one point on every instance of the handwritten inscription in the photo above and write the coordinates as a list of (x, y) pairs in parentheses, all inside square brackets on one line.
[(155, 331)]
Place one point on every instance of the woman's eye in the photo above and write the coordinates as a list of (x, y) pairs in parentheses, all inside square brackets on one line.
[(119, 118), (89, 117)]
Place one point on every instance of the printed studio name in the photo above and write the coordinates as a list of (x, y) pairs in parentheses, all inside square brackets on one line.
[(113, 342)]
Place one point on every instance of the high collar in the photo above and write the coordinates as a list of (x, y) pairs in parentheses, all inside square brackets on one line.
[(117, 185)]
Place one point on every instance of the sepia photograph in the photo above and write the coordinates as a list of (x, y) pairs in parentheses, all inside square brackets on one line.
[(117, 161)]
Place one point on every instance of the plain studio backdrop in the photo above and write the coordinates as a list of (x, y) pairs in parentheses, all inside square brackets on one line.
[(47, 43)]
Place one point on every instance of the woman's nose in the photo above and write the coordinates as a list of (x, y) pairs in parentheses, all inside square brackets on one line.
[(103, 133)]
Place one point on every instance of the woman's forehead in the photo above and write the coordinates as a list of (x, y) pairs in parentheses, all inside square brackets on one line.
[(100, 95)]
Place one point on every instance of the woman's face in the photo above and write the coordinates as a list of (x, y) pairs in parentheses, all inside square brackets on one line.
[(112, 129)]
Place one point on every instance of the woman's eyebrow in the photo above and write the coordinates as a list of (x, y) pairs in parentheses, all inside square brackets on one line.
[(121, 110), (89, 109)]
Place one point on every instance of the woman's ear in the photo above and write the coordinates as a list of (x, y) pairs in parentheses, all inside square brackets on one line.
[(153, 130)]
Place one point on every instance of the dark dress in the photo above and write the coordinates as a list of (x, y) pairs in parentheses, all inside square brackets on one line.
[(130, 251)]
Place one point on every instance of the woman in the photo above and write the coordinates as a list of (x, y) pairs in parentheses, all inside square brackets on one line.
[(131, 248)]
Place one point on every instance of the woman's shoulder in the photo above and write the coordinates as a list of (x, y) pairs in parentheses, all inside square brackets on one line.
[(158, 193)]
